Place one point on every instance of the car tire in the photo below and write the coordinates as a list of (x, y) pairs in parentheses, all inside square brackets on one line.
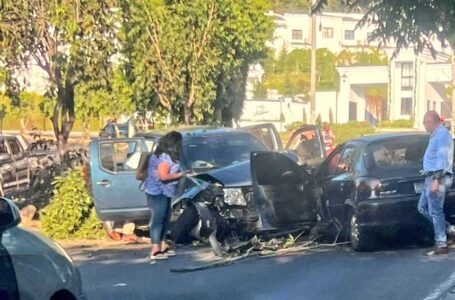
[(360, 240), (180, 233)]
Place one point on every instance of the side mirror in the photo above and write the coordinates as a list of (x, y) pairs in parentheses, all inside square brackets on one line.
[(5, 156), (9, 214)]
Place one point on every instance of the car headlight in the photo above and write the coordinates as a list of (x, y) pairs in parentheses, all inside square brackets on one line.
[(234, 196)]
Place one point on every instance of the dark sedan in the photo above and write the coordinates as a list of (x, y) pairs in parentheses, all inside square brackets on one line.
[(369, 186)]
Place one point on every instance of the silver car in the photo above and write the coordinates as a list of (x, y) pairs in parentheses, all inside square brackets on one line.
[(31, 265)]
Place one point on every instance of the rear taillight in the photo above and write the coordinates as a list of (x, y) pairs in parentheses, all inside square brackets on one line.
[(368, 188)]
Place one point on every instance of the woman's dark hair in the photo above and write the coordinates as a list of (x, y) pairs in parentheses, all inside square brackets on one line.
[(170, 144)]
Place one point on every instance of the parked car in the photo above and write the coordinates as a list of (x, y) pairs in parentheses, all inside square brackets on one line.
[(370, 186), (31, 265), (114, 130), (213, 154), (19, 159), (14, 163)]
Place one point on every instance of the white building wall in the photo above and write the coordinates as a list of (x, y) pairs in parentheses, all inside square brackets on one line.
[(326, 102)]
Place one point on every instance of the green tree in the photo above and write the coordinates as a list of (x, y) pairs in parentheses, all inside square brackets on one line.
[(243, 32), (71, 41), (293, 75), (111, 100), (191, 58), (169, 53)]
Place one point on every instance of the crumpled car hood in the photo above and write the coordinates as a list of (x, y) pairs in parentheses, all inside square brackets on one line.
[(238, 175)]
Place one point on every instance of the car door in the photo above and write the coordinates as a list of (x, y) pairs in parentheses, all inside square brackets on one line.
[(116, 192), (20, 160), (267, 134), (280, 191), (337, 179), (308, 144)]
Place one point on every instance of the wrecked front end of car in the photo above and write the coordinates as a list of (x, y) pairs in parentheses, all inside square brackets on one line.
[(239, 202)]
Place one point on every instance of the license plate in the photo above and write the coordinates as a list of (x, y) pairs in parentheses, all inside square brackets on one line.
[(418, 187)]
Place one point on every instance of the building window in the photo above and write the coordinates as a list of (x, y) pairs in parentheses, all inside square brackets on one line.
[(406, 106), (296, 34), (327, 32), (349, 35), (406, 76)]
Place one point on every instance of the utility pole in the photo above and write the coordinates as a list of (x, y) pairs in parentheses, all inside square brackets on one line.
[(313, 67)]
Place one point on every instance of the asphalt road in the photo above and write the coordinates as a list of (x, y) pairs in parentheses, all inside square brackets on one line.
[(122, 272)]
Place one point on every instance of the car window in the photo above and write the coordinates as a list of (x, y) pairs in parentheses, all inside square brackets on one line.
[(333, 162), (307, 145), (151, 145), (14, 146), (217, 151), (347, 160), (3, 148), (265, 136), (397, 153), (120, 156)]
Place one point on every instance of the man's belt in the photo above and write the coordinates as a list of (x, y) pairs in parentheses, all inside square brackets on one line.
[(436, 174)]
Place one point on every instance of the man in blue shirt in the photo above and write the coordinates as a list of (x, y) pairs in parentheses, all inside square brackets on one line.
[(437, 165)]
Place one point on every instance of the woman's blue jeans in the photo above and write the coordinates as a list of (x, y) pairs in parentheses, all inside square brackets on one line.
[(160, 206)]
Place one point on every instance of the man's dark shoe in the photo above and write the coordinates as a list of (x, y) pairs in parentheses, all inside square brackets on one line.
[(438, 251)]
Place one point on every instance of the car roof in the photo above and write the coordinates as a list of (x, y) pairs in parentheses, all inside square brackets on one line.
[(189, 131), (385, 136)]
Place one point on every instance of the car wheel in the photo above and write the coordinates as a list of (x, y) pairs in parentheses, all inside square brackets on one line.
[(180, 233), (360, 240)]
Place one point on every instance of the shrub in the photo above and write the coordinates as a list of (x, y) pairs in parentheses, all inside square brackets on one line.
[(71, 212), (293, 126), (351, 130), (343, 132), (402, 123)]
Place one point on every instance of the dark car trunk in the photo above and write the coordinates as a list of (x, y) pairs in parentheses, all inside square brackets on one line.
[(399, 182)]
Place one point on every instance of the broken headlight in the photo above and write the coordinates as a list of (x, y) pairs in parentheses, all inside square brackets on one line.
[(234, 197)]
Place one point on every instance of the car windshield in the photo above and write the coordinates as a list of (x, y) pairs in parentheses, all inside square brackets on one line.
[(396, 153), (217, 151)]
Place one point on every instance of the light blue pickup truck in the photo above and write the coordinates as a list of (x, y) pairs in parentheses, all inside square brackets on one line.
[(215, 154)]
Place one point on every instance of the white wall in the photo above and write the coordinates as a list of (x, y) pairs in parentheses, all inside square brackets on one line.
[(269, 111), (326, 101)]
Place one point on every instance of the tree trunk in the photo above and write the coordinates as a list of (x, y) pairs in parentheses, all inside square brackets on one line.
[(63, 117), (87, 130), (189, 102), (24, 124), (186, 114)]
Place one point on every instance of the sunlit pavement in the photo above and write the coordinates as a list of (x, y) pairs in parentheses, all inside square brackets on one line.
[(123, 272)]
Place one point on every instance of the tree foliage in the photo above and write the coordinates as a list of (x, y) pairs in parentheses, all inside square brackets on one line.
[(70, 41), (190, 58), (289, 73), (93, 101), (410, 22)]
